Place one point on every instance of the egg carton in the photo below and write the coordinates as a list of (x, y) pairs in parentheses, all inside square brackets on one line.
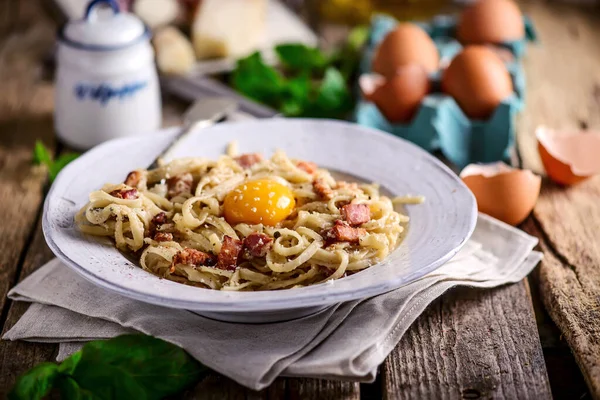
[(439, 123), (442, 29)]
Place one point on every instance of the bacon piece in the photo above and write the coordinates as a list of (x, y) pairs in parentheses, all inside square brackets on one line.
[(257, 245), (229, 254), (159, 219), (249, 159), (356, 214), (180, 184), (342, 232), (133, 179), (126, 194), (192, 257), (307, 166), (322, 189), (163, 237)]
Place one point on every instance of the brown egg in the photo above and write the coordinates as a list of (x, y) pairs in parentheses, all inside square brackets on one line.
[(478, 80), (506, 193), (407, 44), (490, 21), (569, 158), (398, 97)]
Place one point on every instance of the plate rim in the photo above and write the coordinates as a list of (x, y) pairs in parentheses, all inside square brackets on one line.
[(266, 304)]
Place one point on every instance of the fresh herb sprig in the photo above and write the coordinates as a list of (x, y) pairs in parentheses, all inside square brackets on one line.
[(42, 156), (126, 367), (309, 82)]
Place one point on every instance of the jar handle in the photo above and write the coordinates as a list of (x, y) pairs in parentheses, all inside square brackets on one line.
[(92, 6)]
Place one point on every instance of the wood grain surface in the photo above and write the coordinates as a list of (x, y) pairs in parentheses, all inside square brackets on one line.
[(469, 343), (562, 72), (563, 92)]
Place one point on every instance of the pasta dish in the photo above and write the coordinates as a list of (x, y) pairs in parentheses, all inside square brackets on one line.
[(243, 222)]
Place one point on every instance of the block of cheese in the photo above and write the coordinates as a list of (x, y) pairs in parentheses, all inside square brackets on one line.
[(174, 52), (157, 13), (228, 28)]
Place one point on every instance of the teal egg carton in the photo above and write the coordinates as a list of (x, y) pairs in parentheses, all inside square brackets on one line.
[(442, 29), (439, 123)]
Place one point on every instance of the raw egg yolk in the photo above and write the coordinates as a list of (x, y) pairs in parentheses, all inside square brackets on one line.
[(259, 202)]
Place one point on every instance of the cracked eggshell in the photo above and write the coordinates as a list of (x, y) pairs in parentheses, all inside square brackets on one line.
[(506, 193), (398, 97), (569, 158)]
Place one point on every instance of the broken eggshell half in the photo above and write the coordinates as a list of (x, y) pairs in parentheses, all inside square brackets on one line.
[(397, 97), (569, 157), (503, 192)]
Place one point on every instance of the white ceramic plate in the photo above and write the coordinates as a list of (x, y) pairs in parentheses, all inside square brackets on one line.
[(438, 228)]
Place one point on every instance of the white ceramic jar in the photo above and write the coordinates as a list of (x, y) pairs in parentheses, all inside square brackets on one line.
[(106, 83)]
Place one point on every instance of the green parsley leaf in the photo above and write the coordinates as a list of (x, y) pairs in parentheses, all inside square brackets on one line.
[(36, 383), (41, 155), (299, 57), (60, 163)]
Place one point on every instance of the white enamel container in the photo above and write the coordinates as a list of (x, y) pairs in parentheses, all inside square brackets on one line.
[(106, 83)]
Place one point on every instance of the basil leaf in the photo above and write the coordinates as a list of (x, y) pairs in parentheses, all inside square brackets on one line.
[(36, 383), (260, 82), (135, 367), (296, 96), (297, 56), (41, 155), (60, 163), (70, 390), (333, 94), (69, 364)]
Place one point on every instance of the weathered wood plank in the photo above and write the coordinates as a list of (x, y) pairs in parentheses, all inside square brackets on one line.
[(568, 276), (563, 74), (17, 357), (470, 344), (563, 91), (309, 389), (219, 387), (25, 115)]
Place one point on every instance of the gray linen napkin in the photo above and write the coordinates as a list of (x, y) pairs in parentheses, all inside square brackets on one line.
[(345, 341)]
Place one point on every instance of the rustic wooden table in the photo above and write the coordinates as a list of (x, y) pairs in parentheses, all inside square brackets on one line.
[(468, 344)]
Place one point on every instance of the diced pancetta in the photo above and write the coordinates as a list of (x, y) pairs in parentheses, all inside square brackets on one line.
[(307, 166), (192, 257), (257, 245), (163, 236), (133, 179), (342, 232), (322, 189), (126, 194), (179, 184), (356, 214), (248, 160), (230, 252)]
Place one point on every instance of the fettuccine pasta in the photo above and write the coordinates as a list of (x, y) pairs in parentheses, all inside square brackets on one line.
[(246, 223)]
